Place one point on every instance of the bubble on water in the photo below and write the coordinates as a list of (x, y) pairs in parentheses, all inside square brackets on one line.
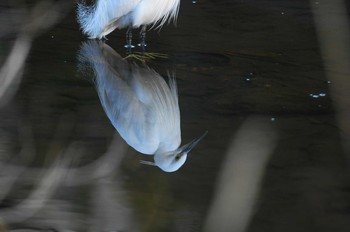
[(249, 77), (318, 95)]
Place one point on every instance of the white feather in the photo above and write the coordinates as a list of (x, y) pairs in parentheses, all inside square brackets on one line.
[(137, 100), (101, 18), (140, 104)]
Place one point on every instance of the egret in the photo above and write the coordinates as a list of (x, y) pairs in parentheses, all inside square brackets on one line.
[(140, 104), (103, 17)]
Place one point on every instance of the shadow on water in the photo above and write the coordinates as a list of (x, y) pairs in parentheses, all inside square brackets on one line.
[(267, 79)]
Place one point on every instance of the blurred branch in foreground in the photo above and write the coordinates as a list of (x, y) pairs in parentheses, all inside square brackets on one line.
[(242, 172), (9, 174), (41, 17), (104, 166), (38, 206), (333, 30), (36, 200)]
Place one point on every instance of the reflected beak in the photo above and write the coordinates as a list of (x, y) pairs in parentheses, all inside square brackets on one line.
[(147, 163), (185, 149)]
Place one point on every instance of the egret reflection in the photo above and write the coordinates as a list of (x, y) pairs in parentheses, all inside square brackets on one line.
[(104, 16), (140, 104)]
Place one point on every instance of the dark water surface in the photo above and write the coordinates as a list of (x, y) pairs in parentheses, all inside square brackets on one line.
[(252, 73)]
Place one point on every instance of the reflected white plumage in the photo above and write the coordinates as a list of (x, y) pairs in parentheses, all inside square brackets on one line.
[(101, 18), (140, 104)]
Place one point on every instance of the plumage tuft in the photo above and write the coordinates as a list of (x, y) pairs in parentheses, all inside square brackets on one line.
[(84, 16), (172, 11), (93, 19), (104, 16)]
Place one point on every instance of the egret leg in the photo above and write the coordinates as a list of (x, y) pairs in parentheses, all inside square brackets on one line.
[(104, 38), (129, 45), (143, 38)]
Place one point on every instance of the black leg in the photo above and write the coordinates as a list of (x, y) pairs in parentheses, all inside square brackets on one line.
[(129, 45), (143, 37), (104, 39)]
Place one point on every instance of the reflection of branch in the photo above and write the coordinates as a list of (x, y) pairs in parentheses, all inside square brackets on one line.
[(36, 200), (332, 26), (11, 71), (110, 211), (44, 15), (102, 167), (61, 175), (41, 17), (47, 181), (9, 173), (240, 179)]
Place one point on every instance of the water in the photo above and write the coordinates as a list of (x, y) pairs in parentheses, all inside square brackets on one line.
[(252, 73)]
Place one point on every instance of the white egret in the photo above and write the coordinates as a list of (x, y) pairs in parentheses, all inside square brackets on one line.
[(103, 17), (140, 104)]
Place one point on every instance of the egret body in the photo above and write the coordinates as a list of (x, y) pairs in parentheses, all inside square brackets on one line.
[(104, 16), (140, 104)]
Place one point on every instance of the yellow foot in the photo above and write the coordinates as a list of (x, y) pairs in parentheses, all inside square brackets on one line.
[(146, 56)]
